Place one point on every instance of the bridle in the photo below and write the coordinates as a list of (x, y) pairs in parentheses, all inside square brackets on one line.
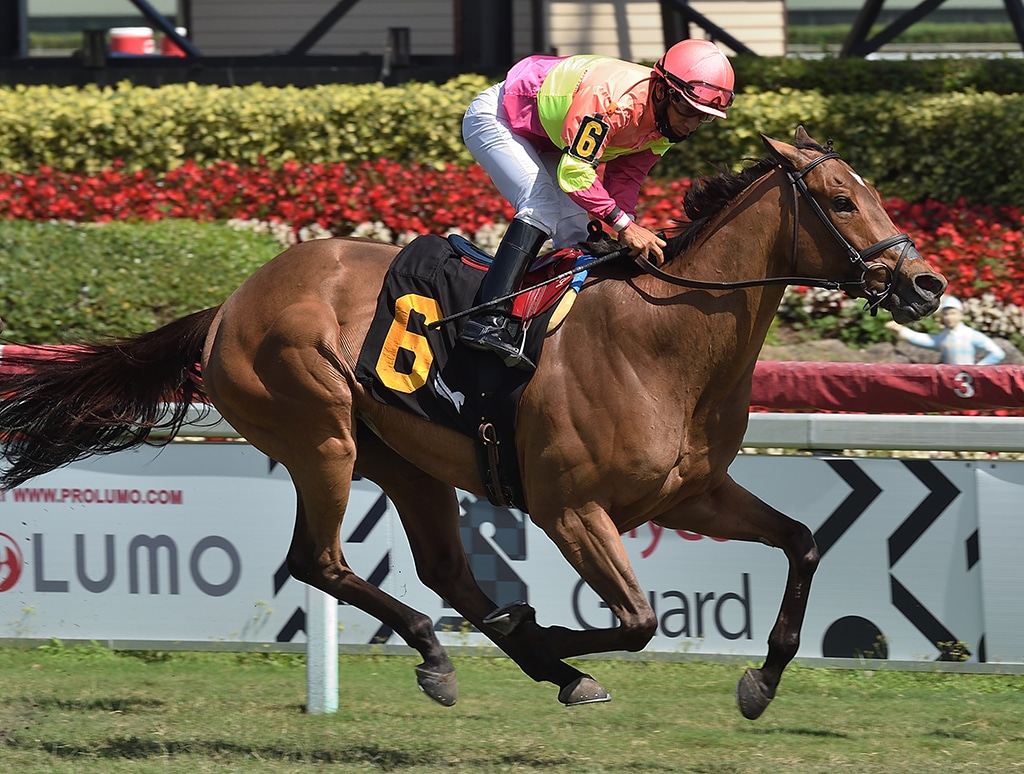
[(858, 258)]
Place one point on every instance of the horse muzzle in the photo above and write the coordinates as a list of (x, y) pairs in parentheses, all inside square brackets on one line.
[(915, 287)]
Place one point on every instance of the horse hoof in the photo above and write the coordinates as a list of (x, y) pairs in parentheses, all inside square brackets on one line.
[(752, 695), (506, 618), (583, 690), (442, 687)]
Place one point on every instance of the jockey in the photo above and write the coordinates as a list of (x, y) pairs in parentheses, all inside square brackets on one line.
[(565, 139)]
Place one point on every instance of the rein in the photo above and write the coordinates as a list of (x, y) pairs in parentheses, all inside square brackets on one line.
[(858, 258)]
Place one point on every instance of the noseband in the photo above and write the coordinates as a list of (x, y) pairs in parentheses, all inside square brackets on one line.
[(858, 258)]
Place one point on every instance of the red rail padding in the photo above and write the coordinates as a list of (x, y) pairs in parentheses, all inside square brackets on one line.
[(886, 388), (871, 388)]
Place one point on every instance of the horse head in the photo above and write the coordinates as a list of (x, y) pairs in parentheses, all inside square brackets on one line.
[(852, 234)]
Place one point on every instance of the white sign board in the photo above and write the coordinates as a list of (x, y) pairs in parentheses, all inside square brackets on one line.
[(187, 544)]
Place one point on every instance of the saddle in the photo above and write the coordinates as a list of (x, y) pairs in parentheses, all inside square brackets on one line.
[(411, 359), (545, 283)]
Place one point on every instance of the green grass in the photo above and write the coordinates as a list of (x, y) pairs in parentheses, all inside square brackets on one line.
[(63, 282), (92, 710)]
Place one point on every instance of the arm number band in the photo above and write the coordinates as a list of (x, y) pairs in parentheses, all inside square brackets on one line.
[(617, 219)]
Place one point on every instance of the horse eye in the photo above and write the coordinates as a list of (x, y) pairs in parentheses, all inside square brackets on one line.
[(843, 204)]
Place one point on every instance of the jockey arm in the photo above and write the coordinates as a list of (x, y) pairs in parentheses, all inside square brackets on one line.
[(610, 195), (596, 110), (992, 353)]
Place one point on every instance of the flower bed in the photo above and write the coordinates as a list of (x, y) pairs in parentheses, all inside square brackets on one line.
[(338, 196), (979, 248)]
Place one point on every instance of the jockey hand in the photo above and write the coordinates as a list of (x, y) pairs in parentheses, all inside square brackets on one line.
[(643, 243)]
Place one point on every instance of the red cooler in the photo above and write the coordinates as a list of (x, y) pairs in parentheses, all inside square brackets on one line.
[(132, 41)]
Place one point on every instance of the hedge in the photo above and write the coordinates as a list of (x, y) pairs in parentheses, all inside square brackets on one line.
[(83, 130), (899, 124), (831, 75), (963, 145)]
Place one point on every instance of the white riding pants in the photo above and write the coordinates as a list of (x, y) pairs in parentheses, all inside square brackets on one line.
[(526, 177)]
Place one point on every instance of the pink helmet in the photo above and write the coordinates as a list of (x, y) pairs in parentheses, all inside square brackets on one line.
[(697, 71)]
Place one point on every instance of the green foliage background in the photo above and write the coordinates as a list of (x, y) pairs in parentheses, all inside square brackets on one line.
[(944, 129)]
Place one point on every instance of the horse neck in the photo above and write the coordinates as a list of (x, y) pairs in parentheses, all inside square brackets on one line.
[(748, 240)]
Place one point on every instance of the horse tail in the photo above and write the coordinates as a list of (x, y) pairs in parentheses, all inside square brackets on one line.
[(59, 405)]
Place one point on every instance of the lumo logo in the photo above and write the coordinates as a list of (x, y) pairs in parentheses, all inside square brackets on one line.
[(146, 556)]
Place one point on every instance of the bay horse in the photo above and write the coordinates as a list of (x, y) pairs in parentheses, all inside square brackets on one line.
[(637, 408)]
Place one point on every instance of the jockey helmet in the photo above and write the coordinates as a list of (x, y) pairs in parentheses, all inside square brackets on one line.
[(695, 71)]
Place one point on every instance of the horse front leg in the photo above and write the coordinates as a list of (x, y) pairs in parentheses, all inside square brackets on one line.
[(733, 513)]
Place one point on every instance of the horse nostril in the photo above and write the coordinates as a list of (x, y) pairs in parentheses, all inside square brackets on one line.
[(930, 285)]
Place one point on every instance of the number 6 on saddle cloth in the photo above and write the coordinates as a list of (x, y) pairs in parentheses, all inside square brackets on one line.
[(411, 362)]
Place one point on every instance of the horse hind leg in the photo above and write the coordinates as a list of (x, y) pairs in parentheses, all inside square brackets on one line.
[(286, 390), (315, 557), (430, 515)]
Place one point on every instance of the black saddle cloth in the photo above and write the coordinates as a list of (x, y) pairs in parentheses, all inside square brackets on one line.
[(407, 364)]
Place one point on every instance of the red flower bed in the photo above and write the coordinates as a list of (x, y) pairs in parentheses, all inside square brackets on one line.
[(979, 248), (336, 196)]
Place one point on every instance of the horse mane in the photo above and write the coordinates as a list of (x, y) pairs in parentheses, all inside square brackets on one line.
[(709, 194)]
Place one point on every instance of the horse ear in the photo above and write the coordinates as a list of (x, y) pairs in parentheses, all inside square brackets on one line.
[(801, 138), (784, 153)]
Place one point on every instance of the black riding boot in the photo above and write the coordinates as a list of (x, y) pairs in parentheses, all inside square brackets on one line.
[(491, 328)]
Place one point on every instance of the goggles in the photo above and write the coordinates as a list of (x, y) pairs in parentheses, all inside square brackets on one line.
[(698, 92), (686, 108), (705, 94)]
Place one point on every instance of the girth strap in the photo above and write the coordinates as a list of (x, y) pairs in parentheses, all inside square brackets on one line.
[(496, 493)]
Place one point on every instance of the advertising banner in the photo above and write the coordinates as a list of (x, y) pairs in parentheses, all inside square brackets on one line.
[(187, 543)]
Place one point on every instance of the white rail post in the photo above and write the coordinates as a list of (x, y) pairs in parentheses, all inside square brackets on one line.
[(321, 652)]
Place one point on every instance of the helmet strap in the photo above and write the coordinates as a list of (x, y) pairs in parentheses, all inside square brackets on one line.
[(661, 107)]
